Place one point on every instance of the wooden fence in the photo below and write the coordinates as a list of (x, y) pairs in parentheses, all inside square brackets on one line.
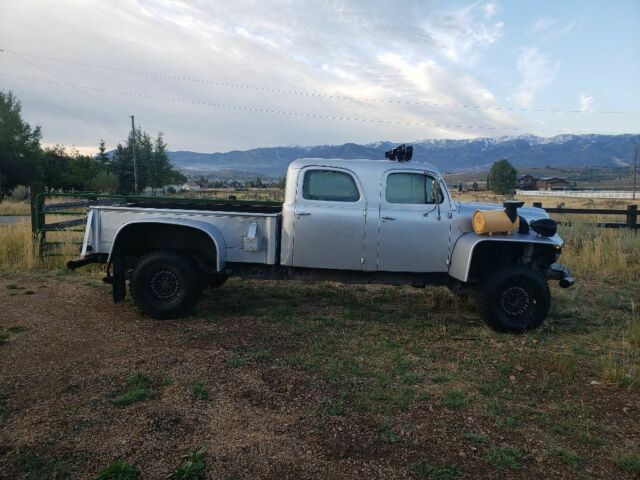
[(631, 214)]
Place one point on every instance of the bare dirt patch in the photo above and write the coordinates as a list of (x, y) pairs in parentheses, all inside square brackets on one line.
[(314, 382)]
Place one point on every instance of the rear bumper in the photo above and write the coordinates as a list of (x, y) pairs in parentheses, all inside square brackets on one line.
[(87, 260), (560, 273)]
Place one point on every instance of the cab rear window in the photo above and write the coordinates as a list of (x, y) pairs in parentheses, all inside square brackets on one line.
[(329, 185)]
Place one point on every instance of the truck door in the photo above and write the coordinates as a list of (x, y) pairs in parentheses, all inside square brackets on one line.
[(329, 220), (414, 223)]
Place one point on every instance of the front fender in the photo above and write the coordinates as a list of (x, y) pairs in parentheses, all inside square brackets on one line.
[(462, 254), (213, 233)]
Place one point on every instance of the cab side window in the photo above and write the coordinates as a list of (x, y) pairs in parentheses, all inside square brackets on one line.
[(412, 188), (329, 185)]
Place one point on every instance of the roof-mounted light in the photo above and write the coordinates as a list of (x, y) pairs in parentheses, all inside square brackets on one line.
[(403, 153)]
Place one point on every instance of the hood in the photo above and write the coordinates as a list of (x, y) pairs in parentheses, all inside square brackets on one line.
[(466, 210)]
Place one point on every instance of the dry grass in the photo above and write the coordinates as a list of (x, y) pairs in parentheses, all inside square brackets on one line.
[(8, 207), (19, 253), (620, 366)]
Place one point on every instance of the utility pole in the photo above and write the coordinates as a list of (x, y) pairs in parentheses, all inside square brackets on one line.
[(635, 169), (135, 164)]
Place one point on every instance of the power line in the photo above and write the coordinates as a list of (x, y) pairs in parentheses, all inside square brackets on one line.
[(69, 112), (305, 93), (54, 75), (261, 109)]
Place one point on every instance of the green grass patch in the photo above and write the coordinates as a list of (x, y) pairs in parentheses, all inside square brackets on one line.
[(199, 391), (448, 472), (138, 389), (454, 399), (119, 470), (477, 438), (243, 357), (37, 467), (505, 457), (629, 462), (568, 457), (191, 467), (387, 432), (17, 329), (3, 338)]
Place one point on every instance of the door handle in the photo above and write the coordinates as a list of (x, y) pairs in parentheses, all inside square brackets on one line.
[(303, 214), (384, 217)]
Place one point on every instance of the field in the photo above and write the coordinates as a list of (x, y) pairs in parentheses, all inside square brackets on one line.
[(295, 380)]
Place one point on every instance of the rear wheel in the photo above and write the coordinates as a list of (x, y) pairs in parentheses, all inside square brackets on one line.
[(514, 299), (165, 284)]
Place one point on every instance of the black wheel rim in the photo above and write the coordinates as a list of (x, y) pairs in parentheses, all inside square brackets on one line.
[(516, 300), (164, 284)]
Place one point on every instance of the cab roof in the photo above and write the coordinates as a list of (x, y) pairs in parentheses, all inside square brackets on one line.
[(361, 164)]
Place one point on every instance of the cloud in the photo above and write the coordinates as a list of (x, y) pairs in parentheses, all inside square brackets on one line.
[(459, 34), (537, 72), (490, 9), (543, 23), (585, 102)]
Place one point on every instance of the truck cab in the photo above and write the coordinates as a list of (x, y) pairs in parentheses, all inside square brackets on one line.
[(368, 215)]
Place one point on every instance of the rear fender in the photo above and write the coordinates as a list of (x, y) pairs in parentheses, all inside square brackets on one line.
[(217, 240)]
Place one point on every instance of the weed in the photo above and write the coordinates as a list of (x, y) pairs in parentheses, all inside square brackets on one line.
[(629, 462), (568, 457), (17, 329), (118, 470), (199, 391), (505, 457), (441, 379), (333, 407), (425, 470), (139, 388), (477, 438), (454, 399), (36, 467), (191, 467), (3, 338), (386, 432)]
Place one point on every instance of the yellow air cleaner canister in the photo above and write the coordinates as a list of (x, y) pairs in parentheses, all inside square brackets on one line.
[(493, 221)]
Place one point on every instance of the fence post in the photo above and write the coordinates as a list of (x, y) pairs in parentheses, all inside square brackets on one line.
[(37, 203), (632, 216), (35, 189), (537, 204)]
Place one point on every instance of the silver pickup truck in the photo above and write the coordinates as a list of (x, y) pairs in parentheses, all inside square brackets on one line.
[(353, 221)]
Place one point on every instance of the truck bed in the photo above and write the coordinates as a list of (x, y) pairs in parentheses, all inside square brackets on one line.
[(242, 206)]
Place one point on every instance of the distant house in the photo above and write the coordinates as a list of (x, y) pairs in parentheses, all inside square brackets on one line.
[(553, 183), (527, 182)]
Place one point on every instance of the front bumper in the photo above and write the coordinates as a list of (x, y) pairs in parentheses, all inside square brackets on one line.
[(561, 273)]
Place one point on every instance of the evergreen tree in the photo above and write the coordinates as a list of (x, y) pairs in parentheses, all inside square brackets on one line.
[(502, 177), (102, 156)]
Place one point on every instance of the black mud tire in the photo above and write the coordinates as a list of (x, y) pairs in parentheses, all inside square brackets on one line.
[(514, 299), (165, 284)]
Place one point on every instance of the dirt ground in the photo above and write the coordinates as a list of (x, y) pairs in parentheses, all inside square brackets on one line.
[(70, 351)]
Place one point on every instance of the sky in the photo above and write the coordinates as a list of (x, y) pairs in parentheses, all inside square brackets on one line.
[(232, 75)]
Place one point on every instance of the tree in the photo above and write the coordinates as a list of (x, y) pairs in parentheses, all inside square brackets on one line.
[(104, 182), (474, 187), (19, 145), (502, 177), (153, 165), (102, 157)]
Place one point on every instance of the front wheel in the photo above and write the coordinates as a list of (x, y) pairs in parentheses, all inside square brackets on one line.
[(514, 299), (165, 284)]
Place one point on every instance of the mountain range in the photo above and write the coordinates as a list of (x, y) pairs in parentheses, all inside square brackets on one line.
[(449, 156)]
